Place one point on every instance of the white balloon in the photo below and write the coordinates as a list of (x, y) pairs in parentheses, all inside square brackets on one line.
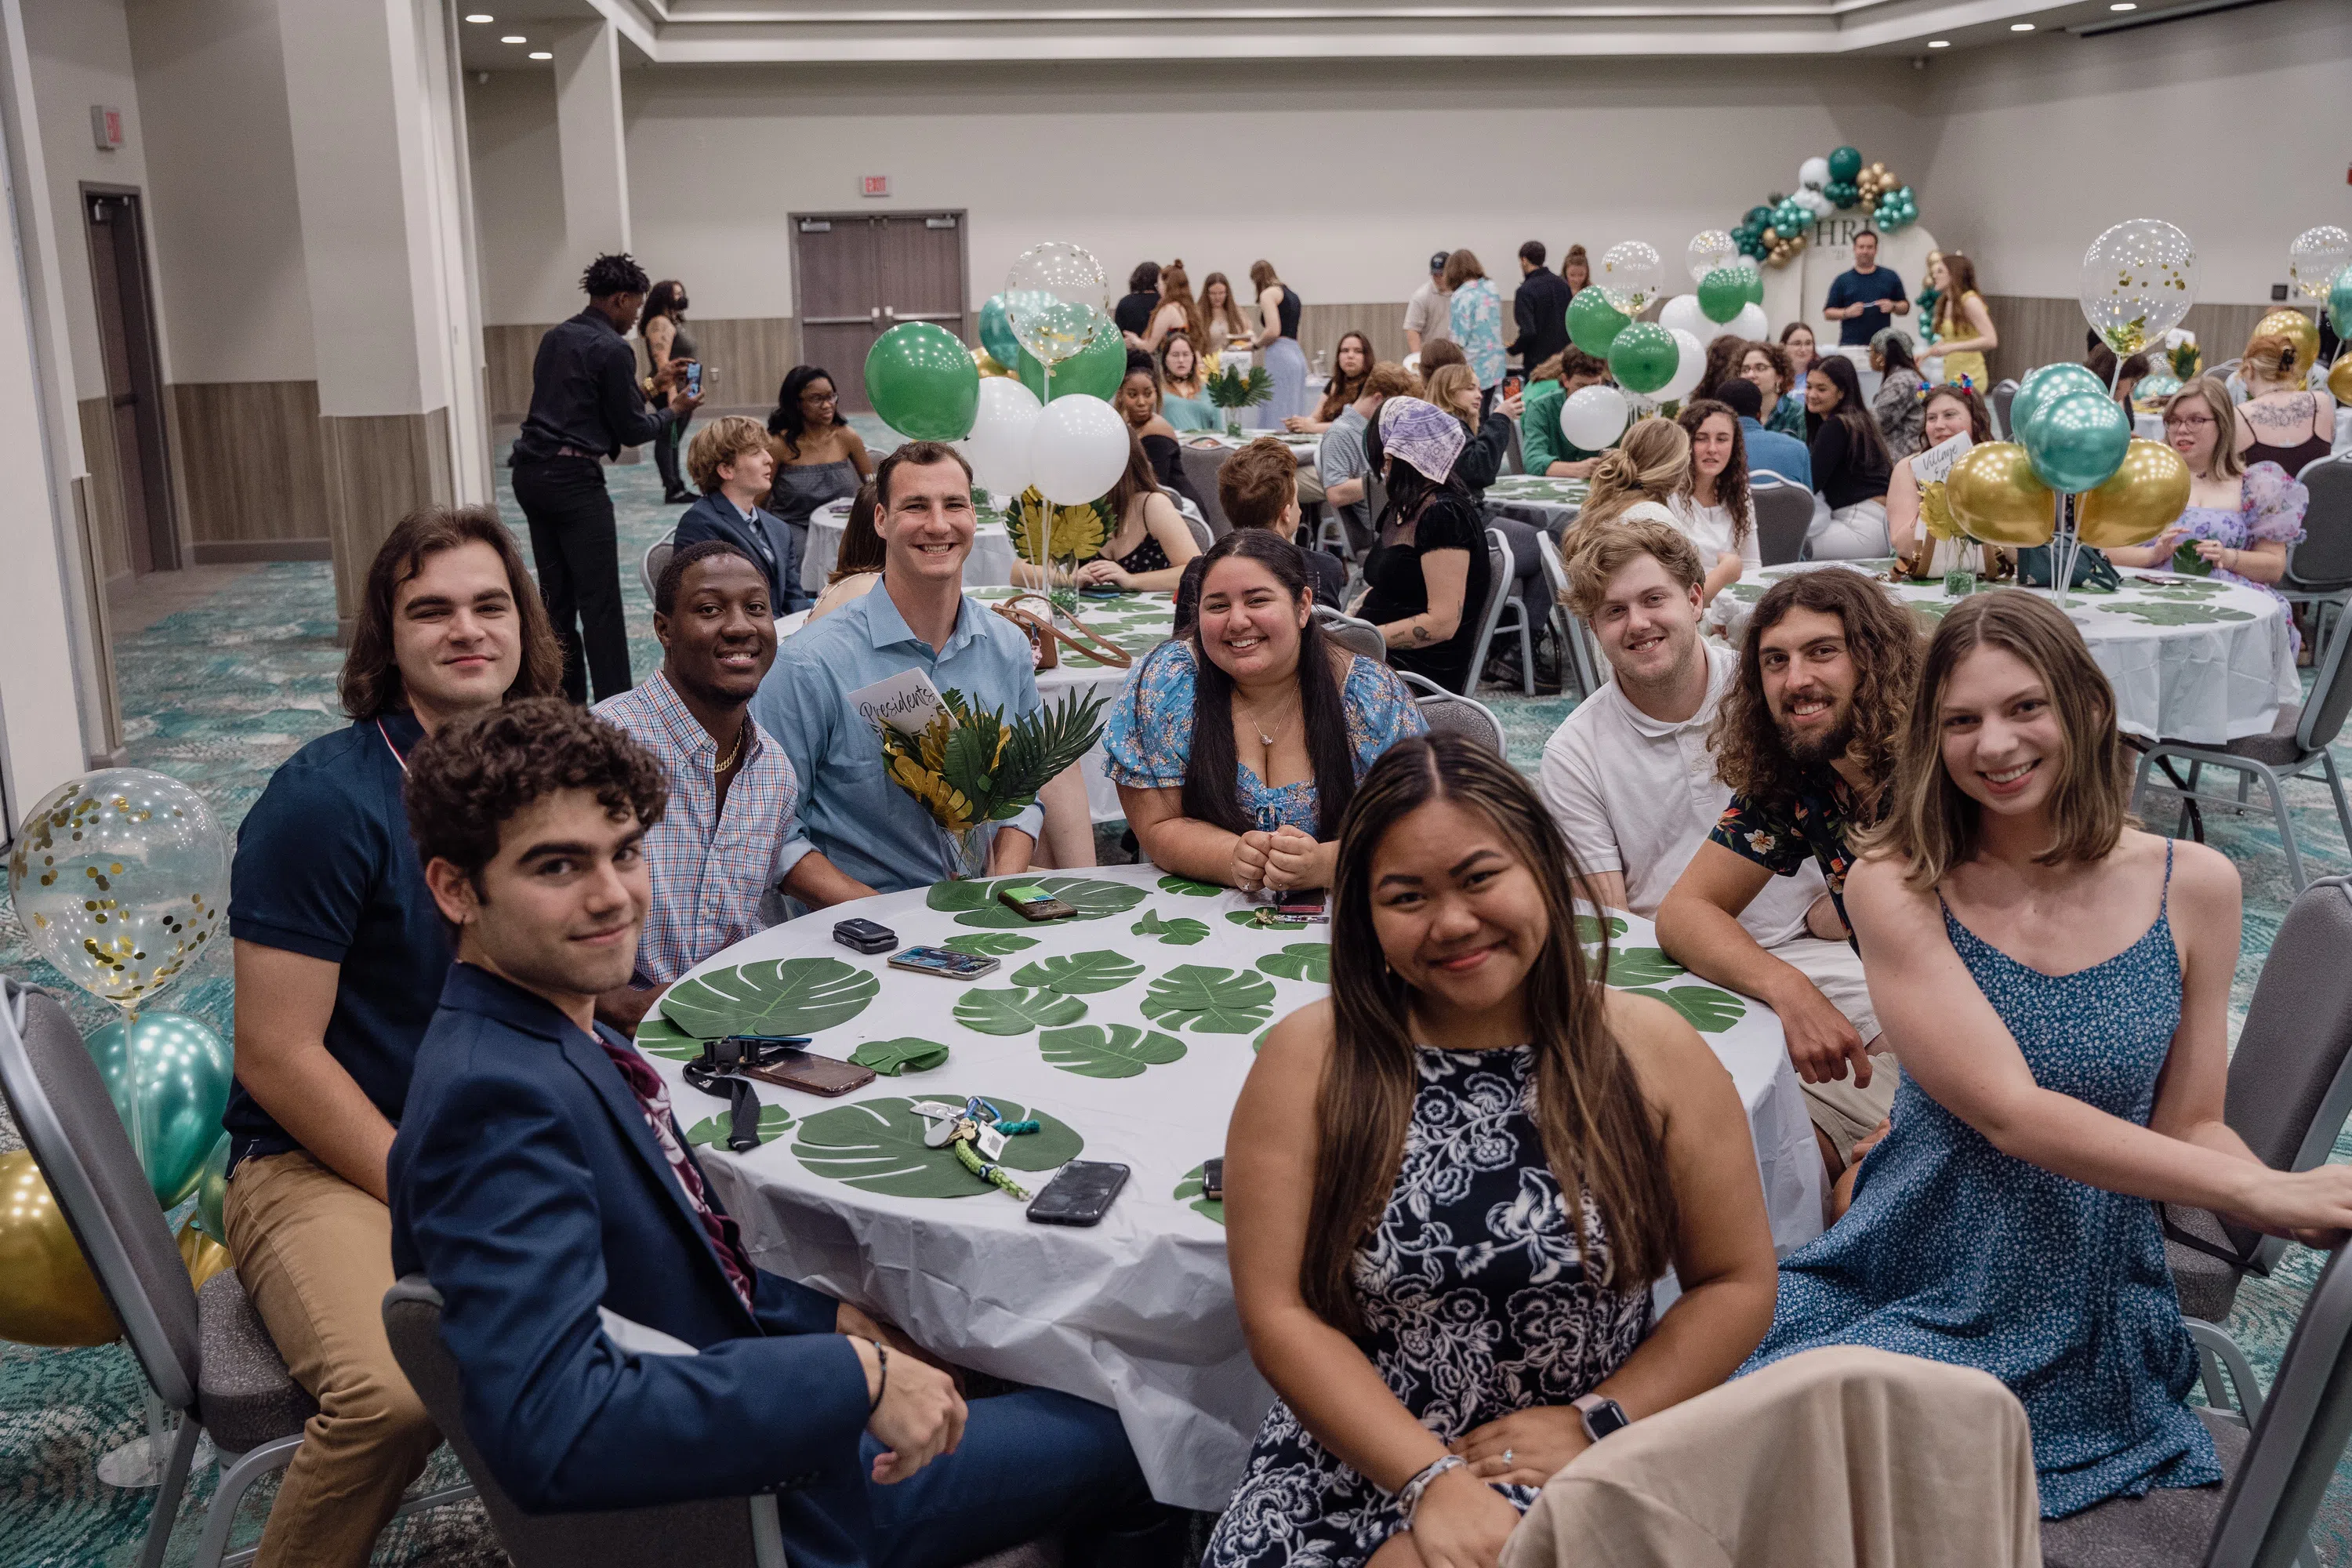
[(1686, 372), (1814, 201), (998, 447), (1750, 323), (1683, 312), (1594, 417), (1078, 450), (1812, 175)]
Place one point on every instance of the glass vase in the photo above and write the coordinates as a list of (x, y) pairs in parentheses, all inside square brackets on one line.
[(966, 849)]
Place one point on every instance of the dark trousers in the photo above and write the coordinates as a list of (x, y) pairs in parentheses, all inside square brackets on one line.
[(574, 541), (666, 446)]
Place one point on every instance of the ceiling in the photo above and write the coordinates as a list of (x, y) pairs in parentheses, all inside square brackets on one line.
[(955, 31)]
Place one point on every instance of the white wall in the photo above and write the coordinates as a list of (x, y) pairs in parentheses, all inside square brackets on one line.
[(519, 199), (228, 229), (2237, 126)]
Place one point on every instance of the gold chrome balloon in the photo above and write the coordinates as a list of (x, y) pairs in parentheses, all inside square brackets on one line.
[(48, 1294), (202, 1255), (1994, 496), (2299, 330), (986, 363), (2142, 499), (1936, 511), (2339, 380)]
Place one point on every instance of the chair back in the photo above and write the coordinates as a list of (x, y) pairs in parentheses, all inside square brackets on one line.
[(1357, 637), (720, 1532), (1515, 457), (2322, 561), (2003, 394), (657, 560), (1376, 499), (2266, 1519), (1199, 525), (70, 1123), (1783, 514), (2325, 709), (1201, 466), (1450, 714), (1498, 593), (1575, 638)]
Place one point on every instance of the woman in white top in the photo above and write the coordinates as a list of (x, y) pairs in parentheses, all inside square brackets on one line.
[(1712, 505), (1950, 409)]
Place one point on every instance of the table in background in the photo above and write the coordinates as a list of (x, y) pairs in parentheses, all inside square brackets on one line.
[(1538, 501), (2150, 427), (1137, 1312), (1204, 453), (2190, 659), (989, 564)]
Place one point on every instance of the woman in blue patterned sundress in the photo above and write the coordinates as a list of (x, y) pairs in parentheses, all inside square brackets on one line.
[(1209, 723), (1444, 1270), (2004, 1223)]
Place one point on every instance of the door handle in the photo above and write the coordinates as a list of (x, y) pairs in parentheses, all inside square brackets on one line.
[(928, 316), (864, 320), (874, 315)]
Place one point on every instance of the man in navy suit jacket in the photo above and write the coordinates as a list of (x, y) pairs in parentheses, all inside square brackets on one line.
[(731, 464), (540, 1182)]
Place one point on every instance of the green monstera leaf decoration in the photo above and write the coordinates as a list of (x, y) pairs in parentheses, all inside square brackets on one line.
[(1116, 1050), (1180, 931), (1710, 1011), (904, 1054), (1016, 1012), (1188, 887), (975, 903), (1642, 966), (786, 996), (1210, 1001), (711, 1130), (657, 1037), (876, 1146), (1307, 961), (988, 943), (1079, 973), (1591, 927), (1262, 917), (1190, 1187)]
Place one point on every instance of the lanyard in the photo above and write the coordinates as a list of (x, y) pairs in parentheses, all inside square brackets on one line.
[(390, 747)]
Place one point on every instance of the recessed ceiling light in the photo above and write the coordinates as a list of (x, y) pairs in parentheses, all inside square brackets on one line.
[(2021, 27), (480, 16), (540, 55), (514, 38), (1939, 43)]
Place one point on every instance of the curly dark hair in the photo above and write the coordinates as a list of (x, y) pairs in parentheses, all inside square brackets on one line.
[(618, 274), (370, 685), (1882, 639), (468, 779)]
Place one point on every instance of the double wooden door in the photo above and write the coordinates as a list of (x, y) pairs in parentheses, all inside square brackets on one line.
[(857, 275)]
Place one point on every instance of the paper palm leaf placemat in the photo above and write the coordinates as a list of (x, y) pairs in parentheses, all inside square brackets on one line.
[(876, 1146)]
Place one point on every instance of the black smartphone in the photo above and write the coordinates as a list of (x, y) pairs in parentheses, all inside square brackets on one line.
[(1081, 1195), (1301, 901), (1034, 903), (1213, 1179), (811, 1073), (694, 378), (865, 936), (945, 962)]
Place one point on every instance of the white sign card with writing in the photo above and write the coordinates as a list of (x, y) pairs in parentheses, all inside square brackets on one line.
[(905, 702)]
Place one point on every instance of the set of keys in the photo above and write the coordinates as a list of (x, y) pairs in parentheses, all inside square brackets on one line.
[(976, 1130)]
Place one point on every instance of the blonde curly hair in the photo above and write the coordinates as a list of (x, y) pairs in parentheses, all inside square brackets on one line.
[(1650, 464)]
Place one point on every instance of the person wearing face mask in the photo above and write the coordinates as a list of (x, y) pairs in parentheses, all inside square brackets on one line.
[(669, 350), (1236, 749), (1805, 743)]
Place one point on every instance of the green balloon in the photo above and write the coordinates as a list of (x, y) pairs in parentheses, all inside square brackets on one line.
[(2047, 385), (923, 383), (1645, 357), (176, 1072), (2340, 302), (1845, 164), (996, 331), (1722, 294), (1593, 322), (212, 1192), (1095, 370), (2077, 441)]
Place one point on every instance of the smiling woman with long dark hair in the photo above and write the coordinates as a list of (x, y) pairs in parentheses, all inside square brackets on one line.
[(818, 456), (1450, 1185)]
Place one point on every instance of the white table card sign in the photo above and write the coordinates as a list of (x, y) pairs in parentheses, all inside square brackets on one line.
[(1935, 465), (905, 702)]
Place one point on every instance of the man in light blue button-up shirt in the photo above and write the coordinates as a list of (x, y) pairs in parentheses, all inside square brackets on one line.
[(871, 830)]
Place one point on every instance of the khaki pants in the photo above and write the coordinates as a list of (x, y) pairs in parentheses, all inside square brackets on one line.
[(1845, 1112), (315, 1254)]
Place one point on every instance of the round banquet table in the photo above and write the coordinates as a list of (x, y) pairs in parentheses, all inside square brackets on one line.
[(2190, 659), (1538, 499), (1137, 1312), (989, 564)]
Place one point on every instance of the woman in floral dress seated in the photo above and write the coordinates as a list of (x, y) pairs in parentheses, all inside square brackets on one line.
[(1236, 749), (1450, 1186), (2241, 518)]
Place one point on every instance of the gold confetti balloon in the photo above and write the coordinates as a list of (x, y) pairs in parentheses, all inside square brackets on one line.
[(120, 878), (2138, 281)]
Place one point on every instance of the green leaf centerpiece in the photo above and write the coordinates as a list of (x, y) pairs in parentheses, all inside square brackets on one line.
[(1116, 1050), (904, 1054), (974, 903), (988, 943), (1710, 1011), (1592, 927), (1188, 888), (1181, 931), (657, 1037), (1210, 1001), (1079, 973), (876, 1146), (1016, 1012), (1307, 961), (1642, 966), (778, 996)]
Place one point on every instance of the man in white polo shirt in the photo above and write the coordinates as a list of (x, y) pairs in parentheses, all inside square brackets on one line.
[(1632, 783)]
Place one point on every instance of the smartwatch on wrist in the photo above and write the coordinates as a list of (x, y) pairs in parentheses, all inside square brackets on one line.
[(1601, 1415)]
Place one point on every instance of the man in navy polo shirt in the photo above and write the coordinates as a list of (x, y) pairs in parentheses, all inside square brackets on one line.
[(340, 958), (1866, 298)]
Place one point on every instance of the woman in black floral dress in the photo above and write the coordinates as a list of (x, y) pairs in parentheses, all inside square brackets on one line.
[(1446, 1326)]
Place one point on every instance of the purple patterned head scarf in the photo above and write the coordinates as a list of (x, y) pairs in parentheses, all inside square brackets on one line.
[(1423, 435)]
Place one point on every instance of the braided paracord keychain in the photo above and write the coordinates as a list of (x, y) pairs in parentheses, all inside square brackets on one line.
[(976, 1134)]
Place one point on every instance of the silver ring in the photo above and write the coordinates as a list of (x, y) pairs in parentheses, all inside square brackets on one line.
[(1508, 1455)]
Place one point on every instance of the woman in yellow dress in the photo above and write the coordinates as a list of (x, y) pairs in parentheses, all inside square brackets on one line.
[(1964, 327)]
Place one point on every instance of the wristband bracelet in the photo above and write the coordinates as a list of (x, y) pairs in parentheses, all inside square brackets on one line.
[(1408, 1496), (882, 1382)]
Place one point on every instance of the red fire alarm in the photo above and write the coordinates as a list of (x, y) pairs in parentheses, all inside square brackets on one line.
[(874, 185), (106, 127)]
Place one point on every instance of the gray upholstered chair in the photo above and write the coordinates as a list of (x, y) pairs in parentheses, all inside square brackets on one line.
[(1584, 665), (1997, 402), (1355, 636), (1198, 525), (1783, 514), (657, 558), (1449, 712), (205, 1353), (1502, 612), (2319, 567)]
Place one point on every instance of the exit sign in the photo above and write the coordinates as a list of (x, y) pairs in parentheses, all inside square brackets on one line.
[(874, 185)]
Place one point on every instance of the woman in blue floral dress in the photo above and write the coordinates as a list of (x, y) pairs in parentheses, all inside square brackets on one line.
[(1477, 318), (2003, 1222), (1236, 749), (1441, 1268)]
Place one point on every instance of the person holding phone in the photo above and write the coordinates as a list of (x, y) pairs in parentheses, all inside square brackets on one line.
[(671, 359), (1236, 749), (1452, 1183)]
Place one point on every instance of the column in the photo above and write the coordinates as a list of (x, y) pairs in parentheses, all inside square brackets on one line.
[(591, 141), (369, 88)]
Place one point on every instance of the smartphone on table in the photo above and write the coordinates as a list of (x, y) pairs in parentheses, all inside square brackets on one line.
[(1081, 1195), (1297, 903), (1213, 1179), (1033, 902), (943, 962), (810, 1073)]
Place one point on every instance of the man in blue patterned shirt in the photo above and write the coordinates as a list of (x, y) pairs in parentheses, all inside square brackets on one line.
[(718, 851)]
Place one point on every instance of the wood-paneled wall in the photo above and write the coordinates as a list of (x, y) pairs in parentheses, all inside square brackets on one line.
[(251, 466), (744, 360), (2036, 332), (379, 467), (108, 531)]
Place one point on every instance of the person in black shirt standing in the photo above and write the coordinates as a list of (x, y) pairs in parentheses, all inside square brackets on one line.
[(586, 404), (1540, 310), (1132, 314)]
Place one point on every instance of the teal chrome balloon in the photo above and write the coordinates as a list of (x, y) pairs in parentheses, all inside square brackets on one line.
[(996, 331), (175, 1072), (1722, 293), (1593, 322), (1645, 357), (1095, 370), (2077, 442), (2340, 302), (2045, 385), (212, 1192)]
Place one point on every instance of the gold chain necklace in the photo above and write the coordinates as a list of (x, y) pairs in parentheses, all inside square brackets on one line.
[(1259, 726), (736, 754)]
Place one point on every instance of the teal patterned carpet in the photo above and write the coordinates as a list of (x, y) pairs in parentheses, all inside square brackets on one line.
[(218, 694)]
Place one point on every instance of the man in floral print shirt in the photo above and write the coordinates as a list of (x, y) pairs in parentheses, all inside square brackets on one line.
[(1806, 740)]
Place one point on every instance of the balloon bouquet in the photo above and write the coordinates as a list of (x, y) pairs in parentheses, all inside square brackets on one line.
[(2319, 269), (2073, 439), (1662, 361), (120, 878)]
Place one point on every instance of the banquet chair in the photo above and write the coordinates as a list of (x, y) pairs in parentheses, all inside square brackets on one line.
[(1201, 466), (1783, 514), (1515, 458), (714, 1532), (1997, 402), (2319, 567), (1502, 613), (2272, 1477), (2274, 758), (1450, 713), (1355, 636), (2290, 1091), (1199, 525), (657, 560), (1567, 626), (205, 1353)]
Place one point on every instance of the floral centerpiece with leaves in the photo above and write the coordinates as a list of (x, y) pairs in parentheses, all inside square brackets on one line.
[(1232, 391), (969, 767), (1049, 536)]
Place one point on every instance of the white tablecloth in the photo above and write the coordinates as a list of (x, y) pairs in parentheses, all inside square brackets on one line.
[(1536, 499), (2150, 427), (989, 564), (2190, 659), (1137, 1312)]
